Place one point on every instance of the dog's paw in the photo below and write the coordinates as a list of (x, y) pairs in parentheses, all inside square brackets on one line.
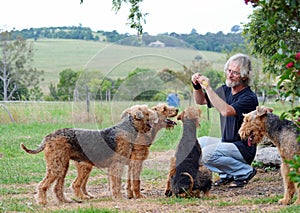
[(139, 196), (130, 195), (283, 201), (168, 193)]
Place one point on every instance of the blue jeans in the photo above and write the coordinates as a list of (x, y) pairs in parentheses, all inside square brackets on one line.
[(224, 158)]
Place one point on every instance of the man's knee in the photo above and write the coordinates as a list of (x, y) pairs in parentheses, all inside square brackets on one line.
[(206, 155), (204, 141)]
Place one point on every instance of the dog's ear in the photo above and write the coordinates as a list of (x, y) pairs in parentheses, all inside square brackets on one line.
[(180, 116), (160, 107), (125, 112), (137, 114), (200, 112), (263, 110), (199, 117), (154, 108), (269, 110), (165, 108)]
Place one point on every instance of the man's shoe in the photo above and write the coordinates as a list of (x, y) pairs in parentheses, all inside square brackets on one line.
[(223, 181), (242, 183)]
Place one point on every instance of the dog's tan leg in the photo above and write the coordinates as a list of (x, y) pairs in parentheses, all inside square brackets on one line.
[(85, 180), (168, 187), (79, 184), (297, 189), (289, 188), (297, 202), (129, 176), (136, 182), (115, 174), (172, 172), (59, 185), (43, 187), (53, 168), (208, 195), (108, 181)]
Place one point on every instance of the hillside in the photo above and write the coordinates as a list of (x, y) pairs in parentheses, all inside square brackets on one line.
[(55, 55)]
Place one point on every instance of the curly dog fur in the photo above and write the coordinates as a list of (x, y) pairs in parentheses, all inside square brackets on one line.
[(187, 178), (141, 147), (107, 148), (283, 133), (139, 153)]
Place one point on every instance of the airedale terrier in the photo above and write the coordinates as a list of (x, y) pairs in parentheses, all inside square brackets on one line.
[(140, 151), (141, 147), (110, 147), (283, 133), (187, 178)]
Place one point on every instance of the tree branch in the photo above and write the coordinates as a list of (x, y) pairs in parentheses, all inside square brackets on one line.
[(12, 92)]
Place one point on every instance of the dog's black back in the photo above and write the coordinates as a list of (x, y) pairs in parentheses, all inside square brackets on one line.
[(87, 143), (187, 159)]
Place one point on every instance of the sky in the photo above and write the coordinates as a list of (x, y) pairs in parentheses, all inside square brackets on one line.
[(164, 16)]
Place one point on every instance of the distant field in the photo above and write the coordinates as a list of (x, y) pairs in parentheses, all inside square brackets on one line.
[(116, 61)]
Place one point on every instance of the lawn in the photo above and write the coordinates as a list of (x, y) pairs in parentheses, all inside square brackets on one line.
[(21, 172)]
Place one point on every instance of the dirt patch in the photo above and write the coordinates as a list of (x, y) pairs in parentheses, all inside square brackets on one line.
[(266, 185)]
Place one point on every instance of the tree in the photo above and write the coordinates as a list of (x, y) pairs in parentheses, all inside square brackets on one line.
[(277, 41), (136, 17), (66, 84), (278, 21), (236, 29), (15, 70)]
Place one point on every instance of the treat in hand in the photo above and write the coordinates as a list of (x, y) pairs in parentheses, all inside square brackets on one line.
[(204, 83)]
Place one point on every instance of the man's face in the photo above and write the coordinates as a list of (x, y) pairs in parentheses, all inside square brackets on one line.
[(233, 75)]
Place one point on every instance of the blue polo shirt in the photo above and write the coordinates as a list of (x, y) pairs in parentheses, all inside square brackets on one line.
[(243, 102)]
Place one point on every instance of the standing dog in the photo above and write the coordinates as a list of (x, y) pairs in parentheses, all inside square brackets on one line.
[(187, 178), (283, 133), (141, 147), (139, 153), (110, 147)]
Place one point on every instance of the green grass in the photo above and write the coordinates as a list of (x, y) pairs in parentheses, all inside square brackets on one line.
[(17, 205)]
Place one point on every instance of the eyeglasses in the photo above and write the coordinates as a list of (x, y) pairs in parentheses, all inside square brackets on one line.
[(235, 73)]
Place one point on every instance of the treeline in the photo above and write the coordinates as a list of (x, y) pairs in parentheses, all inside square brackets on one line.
[(78, 85), (216, 42), (82, 33)]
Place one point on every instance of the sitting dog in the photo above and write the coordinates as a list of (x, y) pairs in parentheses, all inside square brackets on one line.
[(141, 147), (187, 178), (110, 147), (139, 153), (283, 133)]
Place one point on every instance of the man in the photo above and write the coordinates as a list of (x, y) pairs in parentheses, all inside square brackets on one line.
[(229, 156)]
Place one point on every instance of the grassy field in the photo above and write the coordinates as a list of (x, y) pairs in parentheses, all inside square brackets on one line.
[(112, 60), (20, 171)]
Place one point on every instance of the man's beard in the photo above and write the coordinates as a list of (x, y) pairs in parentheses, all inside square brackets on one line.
[(233, 83)]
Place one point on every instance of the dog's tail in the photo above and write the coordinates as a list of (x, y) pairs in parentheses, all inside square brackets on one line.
[(192, 180), (35, 151)]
